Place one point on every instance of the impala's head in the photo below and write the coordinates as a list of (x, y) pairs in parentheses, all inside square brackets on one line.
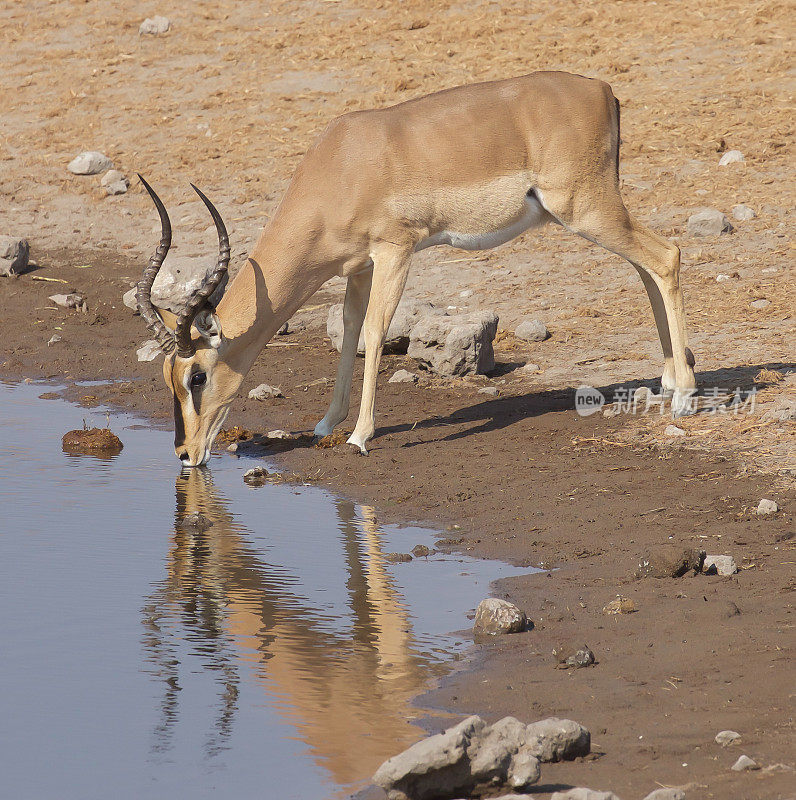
[(201, 383)]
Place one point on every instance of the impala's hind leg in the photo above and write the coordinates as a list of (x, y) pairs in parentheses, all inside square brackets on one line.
[(603, 219), (356, 303), (390, 268)]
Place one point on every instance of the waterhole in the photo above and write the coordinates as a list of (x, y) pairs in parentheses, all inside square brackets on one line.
[(272, 653)]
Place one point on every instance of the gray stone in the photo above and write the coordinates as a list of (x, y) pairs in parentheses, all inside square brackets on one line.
[(708, 222), (149, 351), (727, 738), (128, 298), (54, 339), (279, 434), (489, 390), (14, 255), (469, 759), (71, 300), (555, 739), (719, 565), (455, 345), (745, 764), (466, 293), (90, 163), (666, 794), (580, 793), (530, 367), (114, 182), (265, 392), (731, 157), (154, 26), (743, 213), (434, 767), (673, 430), (494, 616), (531, 330), (767, 507), (409, 311), (569, 657), (760, 304), (403, 376)]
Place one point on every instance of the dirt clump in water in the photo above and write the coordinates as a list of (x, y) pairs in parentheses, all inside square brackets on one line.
[(92, 440)]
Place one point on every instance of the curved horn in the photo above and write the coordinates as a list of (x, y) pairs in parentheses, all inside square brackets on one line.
[(165, 338), (185, 347)]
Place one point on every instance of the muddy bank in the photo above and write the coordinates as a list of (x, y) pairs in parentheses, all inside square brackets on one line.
[(520, 476)]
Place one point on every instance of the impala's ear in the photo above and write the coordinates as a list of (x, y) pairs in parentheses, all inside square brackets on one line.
[(209, 327), (168, 318)]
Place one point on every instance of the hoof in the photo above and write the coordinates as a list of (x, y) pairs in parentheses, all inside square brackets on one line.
[(683, 402), (355, 446)]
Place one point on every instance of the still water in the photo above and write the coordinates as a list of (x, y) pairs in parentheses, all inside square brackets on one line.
[(274, 655)]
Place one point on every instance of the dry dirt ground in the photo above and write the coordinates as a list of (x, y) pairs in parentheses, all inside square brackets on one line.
[(233, 95)]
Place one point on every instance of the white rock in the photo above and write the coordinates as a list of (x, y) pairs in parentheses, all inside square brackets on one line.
[(583, 794), (719, 565), (128, 298), (727, 738), (403, 376), (666, 794), (460, 344), (708, 222), (744, 764), (466, 293), (743, 213), (149, 351), (731, 157), (14, 255), (758, 305), (531, 367), (265, 392), (495, 616), (721, 277), (279, 434), (90, 163), (555, 739), (154, 25), (489, 390), (71, 300), (54, 339), (115, 182), (767, 507), (673, 430), (531, 330)]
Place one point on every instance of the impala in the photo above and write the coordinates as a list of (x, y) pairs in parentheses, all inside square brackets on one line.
[(471, 167)]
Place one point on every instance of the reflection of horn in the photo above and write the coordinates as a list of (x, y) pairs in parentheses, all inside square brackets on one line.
[(348, 696)]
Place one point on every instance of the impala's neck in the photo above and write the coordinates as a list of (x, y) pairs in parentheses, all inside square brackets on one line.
[(277, 279)]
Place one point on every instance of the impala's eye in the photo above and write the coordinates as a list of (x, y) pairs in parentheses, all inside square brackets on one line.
[(198, 379)]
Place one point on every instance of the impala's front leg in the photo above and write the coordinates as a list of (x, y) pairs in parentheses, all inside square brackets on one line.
[(356, 303), (390, 268)]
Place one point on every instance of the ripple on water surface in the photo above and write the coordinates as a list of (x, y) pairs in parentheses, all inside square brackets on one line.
[(274, 654)]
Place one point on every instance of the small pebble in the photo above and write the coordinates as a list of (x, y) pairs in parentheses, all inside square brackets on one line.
[(403, 376), (532, 330), (673, 430), (54, 339), (265, 392), (744, 763), (154, 26), (490, 390), (719, 565), (420, 551), (466, 293), (743, 213), (90, 163), (256, 476), (760, 304), (721, 277), (398, 558), (727, 738), (767, 507), (620, 605), (731, 157), (278, 434), (495, 616), (531, 367)]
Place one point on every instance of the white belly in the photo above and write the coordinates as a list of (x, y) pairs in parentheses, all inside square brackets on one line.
[(533, 216)]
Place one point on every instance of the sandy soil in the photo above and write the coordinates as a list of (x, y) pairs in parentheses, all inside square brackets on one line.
[(232, 96)]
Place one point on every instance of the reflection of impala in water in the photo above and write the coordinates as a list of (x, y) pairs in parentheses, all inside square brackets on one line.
[(346, 692)]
